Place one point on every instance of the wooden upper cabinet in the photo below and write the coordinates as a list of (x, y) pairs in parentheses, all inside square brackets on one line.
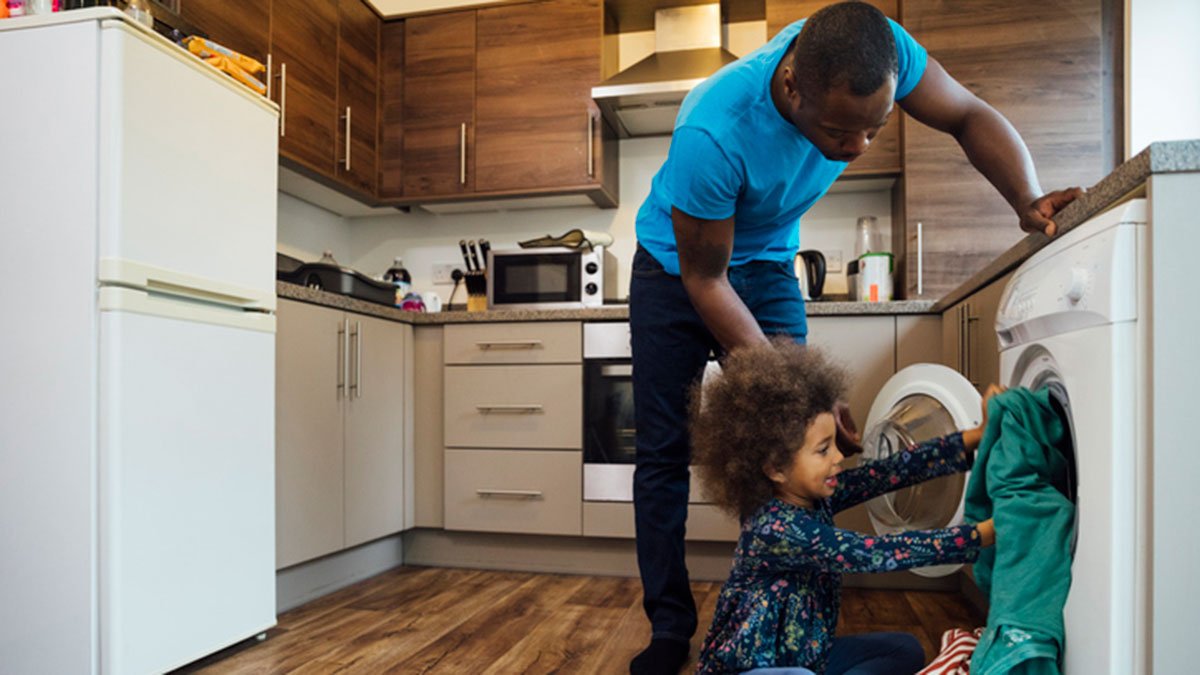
[(391, 109), (358, 103), (883, 155), (439, 104), (537, 125), (244, 27), (1050, 88), (304, 39)]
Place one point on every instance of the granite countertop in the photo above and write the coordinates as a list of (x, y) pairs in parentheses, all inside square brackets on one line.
[(606, 313), (1126, 180)]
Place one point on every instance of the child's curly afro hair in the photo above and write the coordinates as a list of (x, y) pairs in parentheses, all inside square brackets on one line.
[(755, 415)]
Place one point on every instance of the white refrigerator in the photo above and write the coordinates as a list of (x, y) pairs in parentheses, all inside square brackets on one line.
[(137, 244)]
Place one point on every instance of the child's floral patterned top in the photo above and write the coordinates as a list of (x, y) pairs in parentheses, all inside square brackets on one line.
[(780, 605)]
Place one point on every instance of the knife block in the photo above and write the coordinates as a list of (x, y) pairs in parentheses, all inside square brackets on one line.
[(476, 291)]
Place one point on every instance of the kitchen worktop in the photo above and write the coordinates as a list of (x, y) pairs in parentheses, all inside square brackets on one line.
[(1127, 180), (606, 313)]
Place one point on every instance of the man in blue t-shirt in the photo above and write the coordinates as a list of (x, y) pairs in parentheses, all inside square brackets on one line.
[(754, 147)]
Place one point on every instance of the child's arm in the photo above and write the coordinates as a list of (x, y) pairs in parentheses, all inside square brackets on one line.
[(806, 543), (939, 457)]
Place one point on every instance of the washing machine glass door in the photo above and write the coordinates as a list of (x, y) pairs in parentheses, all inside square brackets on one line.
[(920, 403)]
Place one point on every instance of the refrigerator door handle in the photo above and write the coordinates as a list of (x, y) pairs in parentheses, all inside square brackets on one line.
[(160, 281)]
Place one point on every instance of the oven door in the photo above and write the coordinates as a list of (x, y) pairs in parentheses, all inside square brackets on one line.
[(608, 430), (542, 279)]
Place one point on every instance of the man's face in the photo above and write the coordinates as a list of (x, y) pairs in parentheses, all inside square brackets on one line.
[(839, 123)]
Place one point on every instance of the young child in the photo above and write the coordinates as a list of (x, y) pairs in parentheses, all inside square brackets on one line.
[(763, 440)]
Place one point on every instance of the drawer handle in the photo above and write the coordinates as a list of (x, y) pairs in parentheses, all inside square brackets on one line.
[(519, 494), (518, 409), (509, 344)]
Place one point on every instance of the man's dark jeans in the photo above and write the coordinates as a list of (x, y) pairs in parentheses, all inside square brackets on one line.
[(671, 346)]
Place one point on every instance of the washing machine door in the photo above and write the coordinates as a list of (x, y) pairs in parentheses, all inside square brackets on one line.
[(920, 403)]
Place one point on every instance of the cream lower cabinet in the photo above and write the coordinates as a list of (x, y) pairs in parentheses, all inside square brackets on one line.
[(343, 383), (513, 427), (969, 341)]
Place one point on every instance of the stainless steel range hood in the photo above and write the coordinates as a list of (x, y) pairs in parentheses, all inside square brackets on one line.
[(644, 99)]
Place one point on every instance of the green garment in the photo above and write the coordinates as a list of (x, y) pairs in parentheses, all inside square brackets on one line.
[(1019, 480)]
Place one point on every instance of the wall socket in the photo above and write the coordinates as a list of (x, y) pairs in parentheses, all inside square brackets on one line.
[(833, 260), (442, 274)]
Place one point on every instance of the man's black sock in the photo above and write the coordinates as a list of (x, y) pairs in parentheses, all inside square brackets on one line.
[(663, 657)]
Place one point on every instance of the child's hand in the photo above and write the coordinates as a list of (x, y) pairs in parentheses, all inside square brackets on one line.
[(972, 437), (992, 390), (987, 533)]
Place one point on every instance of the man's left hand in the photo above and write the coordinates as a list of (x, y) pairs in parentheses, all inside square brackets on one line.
[(1037, 216)]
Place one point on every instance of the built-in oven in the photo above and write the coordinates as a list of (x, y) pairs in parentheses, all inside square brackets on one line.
[(608, 421), (609, 449)]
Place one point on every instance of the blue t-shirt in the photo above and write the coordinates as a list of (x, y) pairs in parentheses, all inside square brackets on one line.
[(732, 154)]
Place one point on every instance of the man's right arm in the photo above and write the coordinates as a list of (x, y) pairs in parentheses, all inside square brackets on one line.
[(705, 247)]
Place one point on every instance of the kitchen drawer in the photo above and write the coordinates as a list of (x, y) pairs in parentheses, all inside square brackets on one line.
[(501, 343), (514, 407), (523, 491), (705, 522)]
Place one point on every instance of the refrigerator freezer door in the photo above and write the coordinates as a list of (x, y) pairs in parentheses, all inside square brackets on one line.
[(189, 157), (186, 489)]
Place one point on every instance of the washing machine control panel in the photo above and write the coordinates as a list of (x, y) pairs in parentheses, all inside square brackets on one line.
[(1089, 277)]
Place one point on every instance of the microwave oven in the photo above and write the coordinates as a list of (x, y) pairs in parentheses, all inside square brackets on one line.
[(550, 278)]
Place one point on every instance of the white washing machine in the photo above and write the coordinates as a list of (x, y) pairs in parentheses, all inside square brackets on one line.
[(1068, 321)]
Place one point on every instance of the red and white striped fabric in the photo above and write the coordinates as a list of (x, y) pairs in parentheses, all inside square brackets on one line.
[(955, 655)]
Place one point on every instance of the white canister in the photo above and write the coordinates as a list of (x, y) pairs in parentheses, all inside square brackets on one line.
[(875, 277)]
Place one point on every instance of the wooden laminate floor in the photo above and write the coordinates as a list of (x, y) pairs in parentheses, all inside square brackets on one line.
[(437, 620)]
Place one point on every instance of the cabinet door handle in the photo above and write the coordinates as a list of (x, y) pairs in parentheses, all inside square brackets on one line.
[(356, 384), (969, 321), (591, 145), (347, 118), (341, 358), (270, 77), (920, 260), (517, 409), (509, 344), (282, 100), (520, 494), (462, 154), (961, 345)]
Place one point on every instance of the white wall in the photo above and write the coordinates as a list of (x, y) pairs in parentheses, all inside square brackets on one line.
[(306, 231), (1162, 54)]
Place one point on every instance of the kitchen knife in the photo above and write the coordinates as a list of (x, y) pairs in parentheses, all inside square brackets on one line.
[(484, 247), (462, 244), (474, 255)]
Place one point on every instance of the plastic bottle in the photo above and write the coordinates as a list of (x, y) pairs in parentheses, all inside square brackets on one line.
[(401, 278)]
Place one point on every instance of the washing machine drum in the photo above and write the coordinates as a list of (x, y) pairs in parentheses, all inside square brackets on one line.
[(920, 403)]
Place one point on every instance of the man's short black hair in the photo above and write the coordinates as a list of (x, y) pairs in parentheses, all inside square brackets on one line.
[(850, 43)]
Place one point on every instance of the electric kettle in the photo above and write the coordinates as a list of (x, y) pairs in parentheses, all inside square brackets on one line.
[(810, 270)]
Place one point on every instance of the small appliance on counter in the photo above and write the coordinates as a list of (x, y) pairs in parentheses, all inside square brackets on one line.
[(810, 270), (328, 275), (550, 277), (874, 277)]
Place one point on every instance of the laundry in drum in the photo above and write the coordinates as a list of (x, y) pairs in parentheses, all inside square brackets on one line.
[(571, 239)]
